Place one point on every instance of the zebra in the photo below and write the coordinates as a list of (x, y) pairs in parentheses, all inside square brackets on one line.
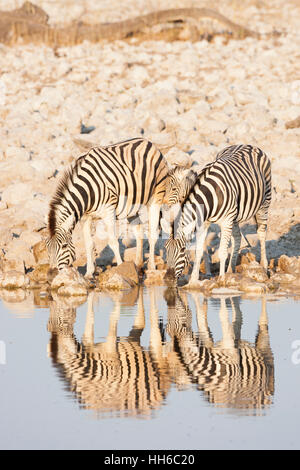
[(179, 183), (116, 375), (231, 372), (233, 188), (108, 183)]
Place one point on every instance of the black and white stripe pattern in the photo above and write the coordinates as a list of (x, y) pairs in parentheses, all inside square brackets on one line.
[(109, 183), (231, 372), (117, 375), (231, 189), (178, 185)]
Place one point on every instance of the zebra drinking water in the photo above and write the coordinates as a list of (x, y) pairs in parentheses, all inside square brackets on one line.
[(231, 189), (179, 183), (109, 183)]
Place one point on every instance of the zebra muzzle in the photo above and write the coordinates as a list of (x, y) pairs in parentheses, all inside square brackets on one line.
[(52, 272), (170, 276)]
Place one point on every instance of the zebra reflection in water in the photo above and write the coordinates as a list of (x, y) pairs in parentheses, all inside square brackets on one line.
[(118, 375), (122, 377), (232, 373)]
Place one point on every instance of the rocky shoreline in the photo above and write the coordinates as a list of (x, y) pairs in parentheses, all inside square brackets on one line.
[(250, 279)]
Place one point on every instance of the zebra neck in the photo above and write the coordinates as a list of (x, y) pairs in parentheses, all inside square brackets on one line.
[(64, 221), (194, 214), (198, 205), (181, 237)]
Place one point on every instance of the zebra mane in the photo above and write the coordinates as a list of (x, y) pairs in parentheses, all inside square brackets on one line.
[(185, 179), (58, 197), (181, 173), (178, 171)]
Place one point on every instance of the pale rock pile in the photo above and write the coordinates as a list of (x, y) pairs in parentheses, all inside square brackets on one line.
[(191, 98), (251, 279), (69, 282), (121, 277)]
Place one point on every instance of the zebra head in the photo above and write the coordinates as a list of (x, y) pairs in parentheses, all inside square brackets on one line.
[(179, 182), (61, 250), (177, 257)]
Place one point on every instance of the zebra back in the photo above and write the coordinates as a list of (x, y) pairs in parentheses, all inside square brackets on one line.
[(235, 185), (127, 176)]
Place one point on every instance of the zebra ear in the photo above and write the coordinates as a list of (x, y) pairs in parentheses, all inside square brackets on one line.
[(166, 226), (170, 166), (191, 175)]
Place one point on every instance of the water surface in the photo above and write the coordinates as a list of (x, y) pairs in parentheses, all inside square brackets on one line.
[(150, 369)]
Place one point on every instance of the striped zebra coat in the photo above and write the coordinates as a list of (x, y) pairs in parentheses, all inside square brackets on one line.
[(117, 375), (178, 186), (108, 183), (231, 372), (231, 189)]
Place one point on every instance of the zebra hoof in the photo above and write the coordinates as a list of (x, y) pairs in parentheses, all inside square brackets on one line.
[(90, 279), (222, 280)]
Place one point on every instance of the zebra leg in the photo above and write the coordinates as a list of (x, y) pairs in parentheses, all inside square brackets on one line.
[(200, 240), (262, 345), (110, 223), (261, 219), (237, 319), (89, 247), (236, 244), (261, 232), (156, 342), (205, 335), (228, 340), (206, 260), (139, 234), (110, 346), (226, 230), (139, 321), (262, 340), (153, 214), (88, 335)]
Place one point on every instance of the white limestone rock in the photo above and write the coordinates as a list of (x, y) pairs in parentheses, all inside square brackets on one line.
[(226, 291), (17, 193), (251, 287), (121, 277), (40, 252), (19, 254), (13, 263), (18, 154), (14, 280), (253, 271), (76, 290), (69, 282), (155, 277), (283, 278), (117, 282), (176, 157), (51, 96)]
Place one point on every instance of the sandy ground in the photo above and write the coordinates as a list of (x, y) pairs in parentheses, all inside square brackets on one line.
[(192, 98)]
